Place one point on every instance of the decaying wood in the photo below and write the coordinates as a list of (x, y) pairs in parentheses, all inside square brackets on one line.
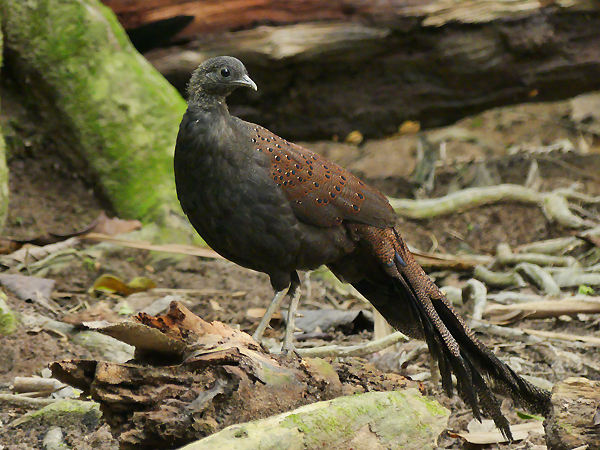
[(216, 15), (575, 418), (376, 420), (433, 61), (187, 372)]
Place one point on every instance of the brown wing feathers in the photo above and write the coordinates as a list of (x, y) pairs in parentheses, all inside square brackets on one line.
[(320, 192)]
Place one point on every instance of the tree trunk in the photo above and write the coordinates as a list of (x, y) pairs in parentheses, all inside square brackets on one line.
[(3, 168), (112, 113), (329, 68)]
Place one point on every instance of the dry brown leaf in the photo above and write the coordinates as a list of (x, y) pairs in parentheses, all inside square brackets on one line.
[(114, 226), (101, 311), (409, 127), (258, 313), (102, 224), (355, 137), (114, 285)]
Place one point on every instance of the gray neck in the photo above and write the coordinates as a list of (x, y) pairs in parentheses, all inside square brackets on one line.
[(208, 102)]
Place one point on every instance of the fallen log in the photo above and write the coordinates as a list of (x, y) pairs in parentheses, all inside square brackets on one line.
[(329, 68), (374, 420)]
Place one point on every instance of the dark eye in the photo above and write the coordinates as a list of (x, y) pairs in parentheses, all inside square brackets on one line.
[(225, 72)]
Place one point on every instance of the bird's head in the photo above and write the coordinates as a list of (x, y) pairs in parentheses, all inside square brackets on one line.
[(219, 76)]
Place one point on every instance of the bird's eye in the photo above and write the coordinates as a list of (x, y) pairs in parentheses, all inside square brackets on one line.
[(225, 72)]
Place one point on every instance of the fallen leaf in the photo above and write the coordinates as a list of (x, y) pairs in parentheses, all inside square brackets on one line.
[(409, 127), (102, 224), (114, 285), (31, 289), (215, 305), (27, 288), (355, 138), (114, 226), (527, 416), (101, 311)]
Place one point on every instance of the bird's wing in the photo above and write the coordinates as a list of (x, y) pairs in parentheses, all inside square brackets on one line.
[(320, 192)]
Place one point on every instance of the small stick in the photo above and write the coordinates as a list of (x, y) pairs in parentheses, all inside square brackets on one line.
[(353, 350)]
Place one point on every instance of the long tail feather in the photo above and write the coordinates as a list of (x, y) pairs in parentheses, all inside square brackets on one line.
[(412, 303)]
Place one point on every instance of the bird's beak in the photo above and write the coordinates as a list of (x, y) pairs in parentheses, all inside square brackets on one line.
[(246, 81)]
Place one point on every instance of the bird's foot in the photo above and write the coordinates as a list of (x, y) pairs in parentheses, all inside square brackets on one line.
[(288, 347), (289, 351)]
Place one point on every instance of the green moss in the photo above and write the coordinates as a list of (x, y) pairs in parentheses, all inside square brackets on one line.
[(65, 413), (433, 407), (8, 320), (111, 106), (242, 432)]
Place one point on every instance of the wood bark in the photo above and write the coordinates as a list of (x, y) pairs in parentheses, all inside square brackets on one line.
[(575, 419), (376, 420), (190, 379), (326, 69), (3, 168)]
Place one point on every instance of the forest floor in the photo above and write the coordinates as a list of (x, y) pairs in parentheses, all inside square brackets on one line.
[(496, 147)]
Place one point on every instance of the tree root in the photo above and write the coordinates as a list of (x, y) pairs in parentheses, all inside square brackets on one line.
[(554, 204), (354, 350)]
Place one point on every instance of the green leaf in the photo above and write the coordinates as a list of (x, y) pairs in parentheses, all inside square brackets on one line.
[(585, 290), (527, 416)]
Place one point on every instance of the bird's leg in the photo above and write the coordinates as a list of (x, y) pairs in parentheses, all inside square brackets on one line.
[(264, 322), (290, 326)]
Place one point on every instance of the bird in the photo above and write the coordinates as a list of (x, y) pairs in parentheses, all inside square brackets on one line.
[(275, 207)]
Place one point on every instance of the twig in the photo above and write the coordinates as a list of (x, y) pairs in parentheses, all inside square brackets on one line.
[(506, 257), (20, 401), (509, 298), (36, 385), (546, 308), (538, 277), (498, 279), (574, 278), (562, 336), (476, 293), (556, 207), (354, 350), (506, 332)]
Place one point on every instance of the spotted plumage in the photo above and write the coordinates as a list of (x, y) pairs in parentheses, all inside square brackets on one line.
[(276, 207), (320, 192)]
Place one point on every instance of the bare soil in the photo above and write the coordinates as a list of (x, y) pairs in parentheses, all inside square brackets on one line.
[(45, 196)]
